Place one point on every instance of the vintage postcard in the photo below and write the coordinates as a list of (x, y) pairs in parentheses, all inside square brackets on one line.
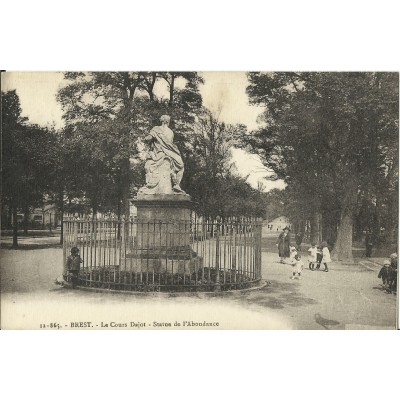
[(199, 200)]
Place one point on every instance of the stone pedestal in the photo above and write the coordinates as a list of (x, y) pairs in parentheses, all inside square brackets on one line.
[(163, 207), (162, 242)]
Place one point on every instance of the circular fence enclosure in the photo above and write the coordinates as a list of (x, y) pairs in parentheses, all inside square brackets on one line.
[(165, 256)]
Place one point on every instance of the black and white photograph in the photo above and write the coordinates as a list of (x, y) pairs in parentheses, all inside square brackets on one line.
[(199, 199), (171, 200)]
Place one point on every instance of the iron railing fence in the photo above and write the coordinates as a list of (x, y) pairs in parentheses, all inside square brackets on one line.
[(196, 255)]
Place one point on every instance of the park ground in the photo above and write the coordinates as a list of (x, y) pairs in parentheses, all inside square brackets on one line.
[(347, 297)]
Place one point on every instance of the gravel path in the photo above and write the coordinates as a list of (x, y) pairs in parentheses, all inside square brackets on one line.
[(347, 297)]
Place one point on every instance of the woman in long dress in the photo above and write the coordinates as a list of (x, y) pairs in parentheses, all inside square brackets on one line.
[(283, 244)]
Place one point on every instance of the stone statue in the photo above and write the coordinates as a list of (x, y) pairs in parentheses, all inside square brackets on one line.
[(164, 165)]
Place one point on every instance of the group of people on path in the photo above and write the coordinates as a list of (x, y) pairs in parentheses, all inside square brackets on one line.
[(320, 254), (289, 254)]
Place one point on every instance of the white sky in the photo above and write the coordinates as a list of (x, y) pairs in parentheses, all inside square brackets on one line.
[(224, 93)]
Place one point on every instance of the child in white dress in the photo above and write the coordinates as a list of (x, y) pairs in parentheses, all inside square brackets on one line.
[(293, 253), (326, 255), (312, 256), (298, 266)]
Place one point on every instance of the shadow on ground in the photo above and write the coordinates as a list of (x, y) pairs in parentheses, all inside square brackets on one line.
[(277, 295)]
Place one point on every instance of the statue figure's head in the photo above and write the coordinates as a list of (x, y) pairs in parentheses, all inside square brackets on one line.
[(165, 119)]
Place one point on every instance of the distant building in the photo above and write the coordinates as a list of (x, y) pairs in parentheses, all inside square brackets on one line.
[(37, 218), (277, 224), (42, 217)]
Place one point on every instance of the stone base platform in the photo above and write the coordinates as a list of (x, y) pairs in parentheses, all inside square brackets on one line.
[(136, 263)]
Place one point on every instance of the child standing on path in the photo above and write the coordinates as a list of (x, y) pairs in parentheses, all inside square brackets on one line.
[(293, 253), (298, 266), (73, 266), (319, 256), (393, 266), (385, 274), (312, 256), (326, 255)]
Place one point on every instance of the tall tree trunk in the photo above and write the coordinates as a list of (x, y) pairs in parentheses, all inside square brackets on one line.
[(358, 227), (119, 208), (94, 210), (15, 228), (171, 90), (62, 215), (26, 215), (9, 220), (120, 200), (392, 217), (378, 220), (392, 191), (119, 193), (329, 222), (342, 250), (125, 187), (151, 89), (50, 223), (302, 226), (315, 228)]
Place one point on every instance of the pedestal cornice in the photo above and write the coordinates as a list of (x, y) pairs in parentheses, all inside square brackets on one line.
[(178, 200)]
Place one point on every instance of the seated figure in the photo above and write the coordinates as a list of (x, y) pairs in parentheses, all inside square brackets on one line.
[(164, 165)]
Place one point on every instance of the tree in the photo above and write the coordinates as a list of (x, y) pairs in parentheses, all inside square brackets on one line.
[(26, 160), (209, 174), (326, 135)]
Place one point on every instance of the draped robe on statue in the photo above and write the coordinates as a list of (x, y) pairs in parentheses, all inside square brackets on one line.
[(164, 166)]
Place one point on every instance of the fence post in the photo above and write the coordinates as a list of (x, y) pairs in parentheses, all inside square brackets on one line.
[(217, 287), (234, 234), (76, 230), (64, 224)]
